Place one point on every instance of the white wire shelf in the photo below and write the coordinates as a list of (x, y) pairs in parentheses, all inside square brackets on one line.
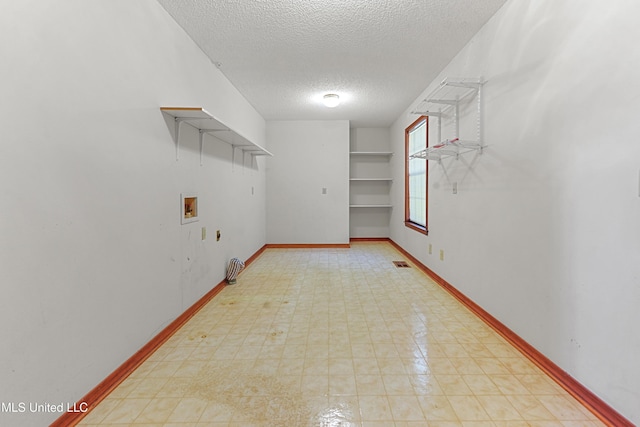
[(448, 94), (447, 148), (446, 99)]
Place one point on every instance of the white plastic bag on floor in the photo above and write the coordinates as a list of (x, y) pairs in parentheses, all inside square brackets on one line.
[(234, 268)]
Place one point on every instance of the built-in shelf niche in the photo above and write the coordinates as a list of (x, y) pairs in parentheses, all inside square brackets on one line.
[(370, 183), (370, 163)]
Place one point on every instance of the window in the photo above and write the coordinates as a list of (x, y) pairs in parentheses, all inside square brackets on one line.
[(416, 176)]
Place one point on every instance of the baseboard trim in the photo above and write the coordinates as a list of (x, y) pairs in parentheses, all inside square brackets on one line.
[(102, 390), (307, 246), (587, 398), (255, 255)]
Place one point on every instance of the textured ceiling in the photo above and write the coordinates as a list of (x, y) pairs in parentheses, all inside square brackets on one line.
[(378, 55)]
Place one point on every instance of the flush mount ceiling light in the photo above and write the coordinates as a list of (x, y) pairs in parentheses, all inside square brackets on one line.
[(331, 100)]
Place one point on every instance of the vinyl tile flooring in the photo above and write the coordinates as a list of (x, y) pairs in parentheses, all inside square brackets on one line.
[(337, 337)]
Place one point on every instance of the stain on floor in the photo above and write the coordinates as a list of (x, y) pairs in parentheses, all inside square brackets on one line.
[(253, 397)]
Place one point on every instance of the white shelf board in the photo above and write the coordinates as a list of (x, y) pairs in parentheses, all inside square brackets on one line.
[(200, 119), (371, 153), (370, 206), (370, 179)]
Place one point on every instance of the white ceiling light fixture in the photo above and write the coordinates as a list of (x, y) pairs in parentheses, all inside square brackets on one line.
[(331, 100)]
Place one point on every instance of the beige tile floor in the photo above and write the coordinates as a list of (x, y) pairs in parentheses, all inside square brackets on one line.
[(337, 337)]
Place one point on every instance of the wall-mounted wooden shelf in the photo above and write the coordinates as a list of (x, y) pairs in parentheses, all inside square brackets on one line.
[(204, 122)]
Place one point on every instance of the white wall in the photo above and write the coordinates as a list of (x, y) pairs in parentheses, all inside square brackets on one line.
[(307, 157), (94, 261), (544, 232)]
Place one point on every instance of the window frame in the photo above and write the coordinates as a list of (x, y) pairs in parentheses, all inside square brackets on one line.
[(407, 214)]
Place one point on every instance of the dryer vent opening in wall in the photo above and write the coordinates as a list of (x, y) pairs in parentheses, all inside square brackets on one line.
[(401, 264)]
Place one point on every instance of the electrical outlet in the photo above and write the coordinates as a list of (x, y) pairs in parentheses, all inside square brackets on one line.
[(430, 249), (217, 235), (455, 188), (252, 191), (324, 190), (441, 254), (204, 233)]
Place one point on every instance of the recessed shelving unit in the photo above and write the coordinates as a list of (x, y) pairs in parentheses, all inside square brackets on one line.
[(370, 183), (372, 180), (205, 123), (374, 188), (445, 101)]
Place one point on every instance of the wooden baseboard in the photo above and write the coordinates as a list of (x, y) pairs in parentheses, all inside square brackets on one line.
[(102, 390), (255, 256), (307, 245), (589, 400)]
